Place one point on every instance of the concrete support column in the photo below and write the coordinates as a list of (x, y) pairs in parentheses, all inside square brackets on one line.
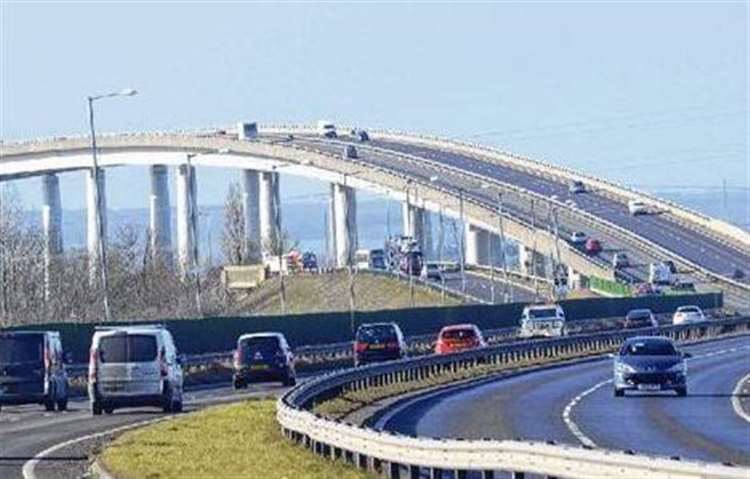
[(270, 211), (93, 231), (529, 260), (51, 224), (251, 211), (187, 213), (477, 245), (417, 223), (160, 215), (344, 221)]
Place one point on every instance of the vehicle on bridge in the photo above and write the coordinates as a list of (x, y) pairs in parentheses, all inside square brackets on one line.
[(640, 318), (459, 337), (360, 135), (638, 207), (620, 260), (32, 369), (592, 246), (350, 152), (547, 320), (326, 129), (688, 314), (309, 261), (378, 342), (431, 270), (577, 186), (578, 237), (650, 363), (660, 273), (133, 366), (262, 357)]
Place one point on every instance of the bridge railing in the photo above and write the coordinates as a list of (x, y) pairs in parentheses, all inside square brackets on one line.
[(405, 456)]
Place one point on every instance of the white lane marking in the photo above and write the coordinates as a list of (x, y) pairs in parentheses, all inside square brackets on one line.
[(572, 426), (30, 465), (587, 441), (736, 403)]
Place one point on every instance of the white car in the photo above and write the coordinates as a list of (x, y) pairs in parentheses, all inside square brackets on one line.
[(578, 237), (637, 207), (576, 187), (688, 314), (326, 129), (546, 320), (134, 366), (431, 271)]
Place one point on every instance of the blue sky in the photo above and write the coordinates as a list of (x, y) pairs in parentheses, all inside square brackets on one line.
[(653, 95)]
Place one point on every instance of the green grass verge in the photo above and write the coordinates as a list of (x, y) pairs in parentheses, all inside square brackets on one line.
[(308, 293), (238, 440)]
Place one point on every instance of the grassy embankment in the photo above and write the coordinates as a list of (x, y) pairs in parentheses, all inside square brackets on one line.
[(308, 293), (239, 440)]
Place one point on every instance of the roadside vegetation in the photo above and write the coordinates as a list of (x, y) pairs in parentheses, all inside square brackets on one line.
[(239, 440)]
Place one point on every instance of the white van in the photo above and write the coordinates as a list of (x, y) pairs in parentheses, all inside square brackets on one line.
[(637, 207), (547, 320), (134, 366), (326, 129)]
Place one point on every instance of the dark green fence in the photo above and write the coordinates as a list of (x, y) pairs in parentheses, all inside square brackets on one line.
[(194, 336)]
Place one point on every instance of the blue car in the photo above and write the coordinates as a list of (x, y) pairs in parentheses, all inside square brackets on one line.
[(650, 363)]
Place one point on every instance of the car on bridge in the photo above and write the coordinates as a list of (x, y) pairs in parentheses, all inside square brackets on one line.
[(459, 337), (620, 260), (578, 237), (326, 129), (638, 207), (640, 318), (431, 270), (262, 357), (577, 186), (32, 369), (592, 246), (377, 342), (650, 363), (688, 314), (134, 366), (542, 320)]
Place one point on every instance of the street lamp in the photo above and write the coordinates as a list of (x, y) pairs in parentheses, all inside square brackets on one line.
[(102, 260)]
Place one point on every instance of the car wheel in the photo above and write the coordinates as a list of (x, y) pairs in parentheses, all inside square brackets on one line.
[(96, 408), (619, 393), (177, 407), (62, 404), (682, 392), (49, 404), (167, 400), (238, 384)]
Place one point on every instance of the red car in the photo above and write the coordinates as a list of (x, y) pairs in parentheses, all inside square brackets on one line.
[(459, 337), (593, 246)]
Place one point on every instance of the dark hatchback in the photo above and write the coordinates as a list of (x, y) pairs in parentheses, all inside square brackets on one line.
[(32, 370), (262, 357), (378, 342), (650, 363), (640, 318)]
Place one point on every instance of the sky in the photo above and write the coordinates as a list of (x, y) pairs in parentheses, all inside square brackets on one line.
[(653, 95)]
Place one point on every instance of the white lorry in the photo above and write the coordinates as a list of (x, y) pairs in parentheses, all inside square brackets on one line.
[(659, 274)]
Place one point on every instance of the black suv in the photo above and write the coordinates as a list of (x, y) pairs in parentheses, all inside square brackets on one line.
[(378, 342), (32, 369)]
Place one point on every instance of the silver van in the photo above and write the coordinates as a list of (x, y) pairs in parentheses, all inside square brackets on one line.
[(134, 366)]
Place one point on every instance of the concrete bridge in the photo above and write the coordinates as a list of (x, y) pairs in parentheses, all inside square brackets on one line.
[(426, 174)]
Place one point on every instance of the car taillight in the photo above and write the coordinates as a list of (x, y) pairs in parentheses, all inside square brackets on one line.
[(93, 364), (360, 347), (163, 363)]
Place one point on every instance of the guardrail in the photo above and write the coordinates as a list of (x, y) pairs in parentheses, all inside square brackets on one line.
[(399, 456)]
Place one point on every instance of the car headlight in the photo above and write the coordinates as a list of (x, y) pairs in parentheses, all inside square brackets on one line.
[(678, 368), (624, 368)]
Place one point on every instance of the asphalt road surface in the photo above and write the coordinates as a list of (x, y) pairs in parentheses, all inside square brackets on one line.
[(574, 404)]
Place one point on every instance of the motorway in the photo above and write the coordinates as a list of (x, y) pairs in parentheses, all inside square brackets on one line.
[(574, 404), (26, 431)]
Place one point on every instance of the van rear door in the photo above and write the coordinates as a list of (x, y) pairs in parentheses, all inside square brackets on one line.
[(129, 364), (22, 370)]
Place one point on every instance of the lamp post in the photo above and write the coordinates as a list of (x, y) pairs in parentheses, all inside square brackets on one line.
[(102, 259)]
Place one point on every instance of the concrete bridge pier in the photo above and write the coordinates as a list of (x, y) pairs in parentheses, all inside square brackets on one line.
[(344, 224), (187, 218), (417, 223), (476, 245), (270, 213), (160, 221), (251, 213), (51, 224), (94, 190)]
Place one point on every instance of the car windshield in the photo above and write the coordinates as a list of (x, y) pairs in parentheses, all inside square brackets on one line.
[(379, 333), (128, 348), (464, 333), (689, 309), (639, 315), (21, 348), (263, 344), (543, 313), (649, 348)]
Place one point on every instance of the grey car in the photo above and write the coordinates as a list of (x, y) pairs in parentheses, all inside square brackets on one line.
[(650, 363)]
